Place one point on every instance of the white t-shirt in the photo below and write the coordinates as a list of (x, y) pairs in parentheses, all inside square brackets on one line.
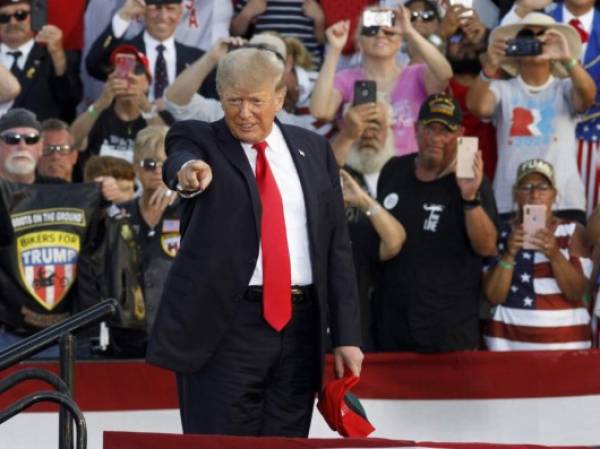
[(536, 122)]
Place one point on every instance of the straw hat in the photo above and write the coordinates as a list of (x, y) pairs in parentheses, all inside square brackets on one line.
[(511, 66)]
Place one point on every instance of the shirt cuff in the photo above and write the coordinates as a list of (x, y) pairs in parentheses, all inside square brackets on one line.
[(119, 26), (186, 193)]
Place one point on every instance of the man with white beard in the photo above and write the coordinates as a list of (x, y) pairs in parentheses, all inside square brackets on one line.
[(20, 147), (365, 143)]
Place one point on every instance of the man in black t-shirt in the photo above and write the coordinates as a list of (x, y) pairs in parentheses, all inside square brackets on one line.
[(428, 299)]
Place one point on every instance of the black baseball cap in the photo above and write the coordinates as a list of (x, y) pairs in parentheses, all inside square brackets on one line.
[(441, 108), (19, 117)]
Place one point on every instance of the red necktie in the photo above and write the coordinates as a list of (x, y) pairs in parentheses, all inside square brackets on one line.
[(583, 35), (277, 278)]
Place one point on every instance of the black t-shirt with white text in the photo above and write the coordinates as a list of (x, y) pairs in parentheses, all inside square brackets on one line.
[(429, 294)]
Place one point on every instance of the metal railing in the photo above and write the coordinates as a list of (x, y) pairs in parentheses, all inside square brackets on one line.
[(63, 333)]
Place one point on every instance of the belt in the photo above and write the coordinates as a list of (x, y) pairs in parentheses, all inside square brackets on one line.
[(300, 293)]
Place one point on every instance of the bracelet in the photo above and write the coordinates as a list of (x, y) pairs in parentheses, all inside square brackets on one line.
[(92, 111), (569, 64), (505, 265), (373, 210)]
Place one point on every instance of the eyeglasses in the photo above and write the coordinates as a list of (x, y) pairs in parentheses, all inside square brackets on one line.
[(150, 164), (374, 30), (425, 16), (20, 15), (60, 149), (15, 138), (528, 188)]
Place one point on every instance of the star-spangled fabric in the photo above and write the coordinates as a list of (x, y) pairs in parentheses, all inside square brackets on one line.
[(536, 315)]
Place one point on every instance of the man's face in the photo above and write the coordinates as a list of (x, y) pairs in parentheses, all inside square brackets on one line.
[(16, 32), (58, 155), (580, 4), (18, 158), (423, 19), (437, 144), (250, 112), (161, 20), (463, 56)]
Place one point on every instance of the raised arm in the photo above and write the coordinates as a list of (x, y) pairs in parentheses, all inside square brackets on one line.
[(481, 101), (438, 71), (390, 231), (325, 99), (189, 81), (242, 20)]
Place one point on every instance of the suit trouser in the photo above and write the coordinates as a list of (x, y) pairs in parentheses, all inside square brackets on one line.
[(259, 382)]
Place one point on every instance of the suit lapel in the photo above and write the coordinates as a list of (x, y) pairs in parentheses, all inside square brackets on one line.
[(593, 48), (31, 69), (233, 151)]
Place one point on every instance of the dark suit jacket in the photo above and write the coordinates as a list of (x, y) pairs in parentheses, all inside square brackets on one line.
[(46, 94), (97, 61), (220, 241)]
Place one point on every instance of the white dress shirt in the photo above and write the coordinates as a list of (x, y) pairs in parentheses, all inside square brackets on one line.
[(119, 27), (294, 209), (586, 23)]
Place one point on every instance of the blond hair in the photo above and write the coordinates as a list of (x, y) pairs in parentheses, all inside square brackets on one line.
[(298, 52), (250, 67), (150, 142)]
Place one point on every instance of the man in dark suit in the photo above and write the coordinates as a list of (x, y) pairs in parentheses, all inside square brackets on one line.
[(265, 267), (49, 75), (168, 58)]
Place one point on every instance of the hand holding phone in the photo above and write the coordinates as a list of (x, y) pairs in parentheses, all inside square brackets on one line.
[(365, 91), (465, 156), (124, 65), (534, 219)]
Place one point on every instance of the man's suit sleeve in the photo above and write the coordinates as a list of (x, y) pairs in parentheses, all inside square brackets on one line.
[(69, 86), (97, 59), (344, 311), (182, 145)]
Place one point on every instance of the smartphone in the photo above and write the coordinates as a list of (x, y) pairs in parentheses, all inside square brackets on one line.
[(465, 156), (467, 4), (523, 46), (124, 65), (39, 14), (365, 91), (376, 18), (534, 219)]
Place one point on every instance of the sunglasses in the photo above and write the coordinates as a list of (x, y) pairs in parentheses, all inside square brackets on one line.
[(20, 15), (60, 149), (528, 188), (150, 164), (425, 16), (15, 138), (374, 30)]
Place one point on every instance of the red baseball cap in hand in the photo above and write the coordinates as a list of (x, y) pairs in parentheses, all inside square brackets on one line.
[(342, 410)]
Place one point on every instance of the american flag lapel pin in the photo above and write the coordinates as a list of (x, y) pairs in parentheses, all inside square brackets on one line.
[(302, 153)]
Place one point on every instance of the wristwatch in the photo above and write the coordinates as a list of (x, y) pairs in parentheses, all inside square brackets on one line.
[(472, 204)]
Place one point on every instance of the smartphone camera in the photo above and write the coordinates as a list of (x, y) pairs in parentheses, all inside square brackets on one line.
[(523, 47)]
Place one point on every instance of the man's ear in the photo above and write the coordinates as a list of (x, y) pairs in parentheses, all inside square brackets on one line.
[(280, 97)]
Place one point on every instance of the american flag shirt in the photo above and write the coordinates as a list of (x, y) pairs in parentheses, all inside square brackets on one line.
[(536, 315)]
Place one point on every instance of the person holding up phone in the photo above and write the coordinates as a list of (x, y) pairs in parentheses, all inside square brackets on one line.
[(403, 87), (48, 75), (536, 111), (538, 281)]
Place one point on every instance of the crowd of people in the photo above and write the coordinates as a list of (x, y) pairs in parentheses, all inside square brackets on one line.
[(442, 262)]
